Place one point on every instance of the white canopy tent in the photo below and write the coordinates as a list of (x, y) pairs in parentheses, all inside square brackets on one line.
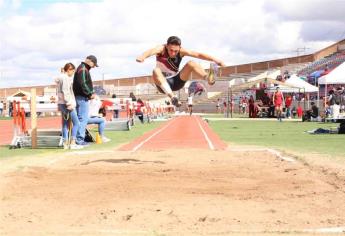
[(336, 76), (266, 74), (296, 81)]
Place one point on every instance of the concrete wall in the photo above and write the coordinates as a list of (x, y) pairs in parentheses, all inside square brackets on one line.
[(329, 50)]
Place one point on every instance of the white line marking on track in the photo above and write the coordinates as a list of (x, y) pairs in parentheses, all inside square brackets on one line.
[(210, 144), (335, 230), (55, 160), (86, 152), (274, 152), (146, 140)]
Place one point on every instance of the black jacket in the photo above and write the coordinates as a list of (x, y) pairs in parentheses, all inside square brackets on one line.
[(82, 83)]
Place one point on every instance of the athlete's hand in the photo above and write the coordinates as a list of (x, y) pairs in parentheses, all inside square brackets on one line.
[(140, 59), (220, 63)]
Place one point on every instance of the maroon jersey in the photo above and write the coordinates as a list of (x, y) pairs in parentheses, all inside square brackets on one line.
[(168, 65)]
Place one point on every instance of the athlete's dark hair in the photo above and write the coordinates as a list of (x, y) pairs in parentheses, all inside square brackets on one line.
[(174, 40)]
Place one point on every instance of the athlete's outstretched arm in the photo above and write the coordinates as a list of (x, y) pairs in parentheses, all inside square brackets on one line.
[(150, 52), (200, 55)]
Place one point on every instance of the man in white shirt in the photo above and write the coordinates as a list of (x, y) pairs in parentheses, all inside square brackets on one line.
[(96, 118), (190, 104), (116, 106)]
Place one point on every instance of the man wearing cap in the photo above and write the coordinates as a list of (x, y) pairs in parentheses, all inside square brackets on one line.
[(83, 91)]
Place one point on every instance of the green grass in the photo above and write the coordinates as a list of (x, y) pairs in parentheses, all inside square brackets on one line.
[(5, 118), (281, 135), (117, 138)]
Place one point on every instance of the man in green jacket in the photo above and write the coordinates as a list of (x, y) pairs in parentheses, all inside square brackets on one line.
[(83, 91)]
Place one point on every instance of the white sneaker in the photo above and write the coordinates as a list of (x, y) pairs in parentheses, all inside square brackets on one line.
[(75, 146), (105, 139), (212, 73)]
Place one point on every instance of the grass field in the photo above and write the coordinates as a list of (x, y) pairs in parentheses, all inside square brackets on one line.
[(117, 138), (281, 135), (5, 118)]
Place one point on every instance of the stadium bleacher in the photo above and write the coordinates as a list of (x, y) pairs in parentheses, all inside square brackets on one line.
[(330, 61)]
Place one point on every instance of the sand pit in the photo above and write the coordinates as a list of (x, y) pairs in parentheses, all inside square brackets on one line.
[(174, 192)]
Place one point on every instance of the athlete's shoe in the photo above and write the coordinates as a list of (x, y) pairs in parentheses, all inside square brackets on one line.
[(212, 73), (175, 102)]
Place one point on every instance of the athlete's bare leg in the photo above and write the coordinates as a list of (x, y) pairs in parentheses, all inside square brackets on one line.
[(192, 66), (160, 80), (279, 111)]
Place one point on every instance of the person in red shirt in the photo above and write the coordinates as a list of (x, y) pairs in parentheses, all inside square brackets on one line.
[(138, 110), (288, 102), (299, 111), (251, 107), (278, 101)]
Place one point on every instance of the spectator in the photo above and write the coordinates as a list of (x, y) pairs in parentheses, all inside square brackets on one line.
[(288, 102), (334, 102), (67, 106), (131, 95), (1, 107), (312, 113), (337, 102), (251, 107), (244, 105), (10, 109), (96, 117), (116, 107), (225, 108), (138, 111), (326, 68), (294, 112), (299, 111), (286, 75), (342, 100), (278, 101), (256, 110), (240, 105), (83, 91), (190, 104), (271, 109), (265, 100), (218, 106)]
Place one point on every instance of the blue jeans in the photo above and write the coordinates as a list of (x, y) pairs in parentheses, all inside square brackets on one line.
[(100, 121), (83, 116), (66, 115)]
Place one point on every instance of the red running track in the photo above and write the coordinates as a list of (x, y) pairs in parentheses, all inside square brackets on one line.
[(180, 132), (6, 127)]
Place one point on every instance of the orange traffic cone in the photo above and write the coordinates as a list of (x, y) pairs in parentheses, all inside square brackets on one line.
[(98, 139)]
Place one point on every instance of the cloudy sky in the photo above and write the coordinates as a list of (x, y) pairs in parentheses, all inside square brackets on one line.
[(37, 37)]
